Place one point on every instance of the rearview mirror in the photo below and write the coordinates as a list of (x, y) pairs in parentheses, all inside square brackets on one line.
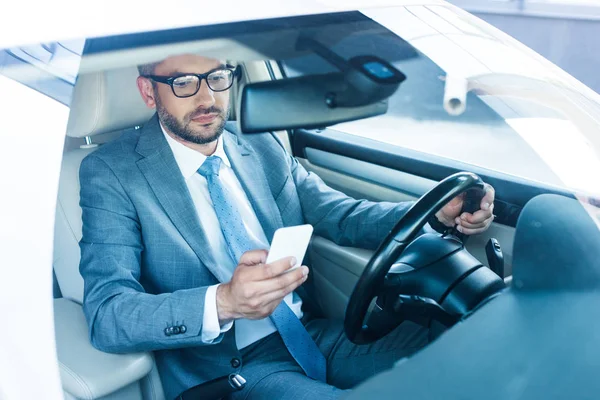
[(302, 102)]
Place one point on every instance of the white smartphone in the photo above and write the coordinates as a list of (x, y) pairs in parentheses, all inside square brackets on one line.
[(291, 241)]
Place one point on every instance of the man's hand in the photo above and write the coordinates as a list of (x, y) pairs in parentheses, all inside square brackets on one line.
[(256, 288), (467, 223)]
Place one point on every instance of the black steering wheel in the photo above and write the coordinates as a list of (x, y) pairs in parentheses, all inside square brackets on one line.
[(376, 277)]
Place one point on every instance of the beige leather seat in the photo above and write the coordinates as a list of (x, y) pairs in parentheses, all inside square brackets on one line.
[(103, 103)]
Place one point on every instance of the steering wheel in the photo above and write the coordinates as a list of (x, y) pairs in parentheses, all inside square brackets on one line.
[(376, 278)]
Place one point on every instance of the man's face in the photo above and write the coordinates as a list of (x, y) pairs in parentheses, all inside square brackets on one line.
[(197, 119)]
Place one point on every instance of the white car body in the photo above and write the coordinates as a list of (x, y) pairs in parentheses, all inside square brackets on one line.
[(33, 134)]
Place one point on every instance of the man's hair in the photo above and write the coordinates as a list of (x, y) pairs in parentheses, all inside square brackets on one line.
[(147, 69)]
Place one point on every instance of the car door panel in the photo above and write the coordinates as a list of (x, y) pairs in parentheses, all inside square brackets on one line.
[(354, 186), (410, 184), (335, 267)]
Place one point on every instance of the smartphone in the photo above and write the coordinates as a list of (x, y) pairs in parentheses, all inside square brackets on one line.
[(291, 241)]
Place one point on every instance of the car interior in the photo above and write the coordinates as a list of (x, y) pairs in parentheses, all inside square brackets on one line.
[(106, 104)]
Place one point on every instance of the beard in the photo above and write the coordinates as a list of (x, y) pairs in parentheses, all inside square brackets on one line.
[(185, 131)]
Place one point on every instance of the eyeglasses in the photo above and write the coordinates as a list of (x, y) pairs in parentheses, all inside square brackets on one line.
[(188, 85)]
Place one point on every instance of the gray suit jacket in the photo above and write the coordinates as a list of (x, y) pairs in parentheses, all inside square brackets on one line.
[(145, 259)]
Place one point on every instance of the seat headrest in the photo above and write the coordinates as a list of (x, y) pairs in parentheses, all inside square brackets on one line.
[(105, 102)]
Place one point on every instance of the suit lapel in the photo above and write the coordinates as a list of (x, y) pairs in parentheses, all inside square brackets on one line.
[(251, 175), (164, 177)]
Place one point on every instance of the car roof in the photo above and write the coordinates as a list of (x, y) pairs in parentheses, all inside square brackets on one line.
[(68, 19)]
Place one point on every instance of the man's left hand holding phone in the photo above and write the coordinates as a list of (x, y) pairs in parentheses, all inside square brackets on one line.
[(259, 284)]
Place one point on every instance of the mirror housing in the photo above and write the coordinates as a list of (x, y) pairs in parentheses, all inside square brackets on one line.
[(301, 102)]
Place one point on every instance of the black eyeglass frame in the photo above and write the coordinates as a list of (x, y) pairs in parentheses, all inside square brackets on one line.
[(168, 80)]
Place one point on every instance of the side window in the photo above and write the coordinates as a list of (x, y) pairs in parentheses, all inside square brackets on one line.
[(511, 134)]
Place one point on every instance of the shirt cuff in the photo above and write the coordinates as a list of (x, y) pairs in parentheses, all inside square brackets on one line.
[(210, 321)]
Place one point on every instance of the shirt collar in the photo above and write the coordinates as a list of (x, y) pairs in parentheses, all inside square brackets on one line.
[(190, 160)]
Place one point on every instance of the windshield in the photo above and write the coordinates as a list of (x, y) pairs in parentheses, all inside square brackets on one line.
[(524, 116)]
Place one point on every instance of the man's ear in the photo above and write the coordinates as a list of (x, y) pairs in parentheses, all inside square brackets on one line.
[(147, 91)]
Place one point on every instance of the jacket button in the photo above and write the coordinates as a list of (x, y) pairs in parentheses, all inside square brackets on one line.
[(182, 329), (175, 330), (235, 362), (168, 332)]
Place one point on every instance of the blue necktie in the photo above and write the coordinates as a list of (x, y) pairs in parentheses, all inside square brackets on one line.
[(297, 340)]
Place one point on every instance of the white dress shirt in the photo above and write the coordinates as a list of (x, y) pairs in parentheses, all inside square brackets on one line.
[(189, 160)]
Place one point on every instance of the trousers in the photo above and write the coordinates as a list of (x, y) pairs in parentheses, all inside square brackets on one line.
[(271, 372)]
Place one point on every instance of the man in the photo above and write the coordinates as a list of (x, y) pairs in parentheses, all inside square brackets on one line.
[(176, 220)]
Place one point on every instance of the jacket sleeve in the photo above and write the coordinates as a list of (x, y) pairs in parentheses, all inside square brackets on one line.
[(121, 316), (340, 218)]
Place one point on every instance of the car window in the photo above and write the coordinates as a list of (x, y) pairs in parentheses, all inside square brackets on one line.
[(503, 128)]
